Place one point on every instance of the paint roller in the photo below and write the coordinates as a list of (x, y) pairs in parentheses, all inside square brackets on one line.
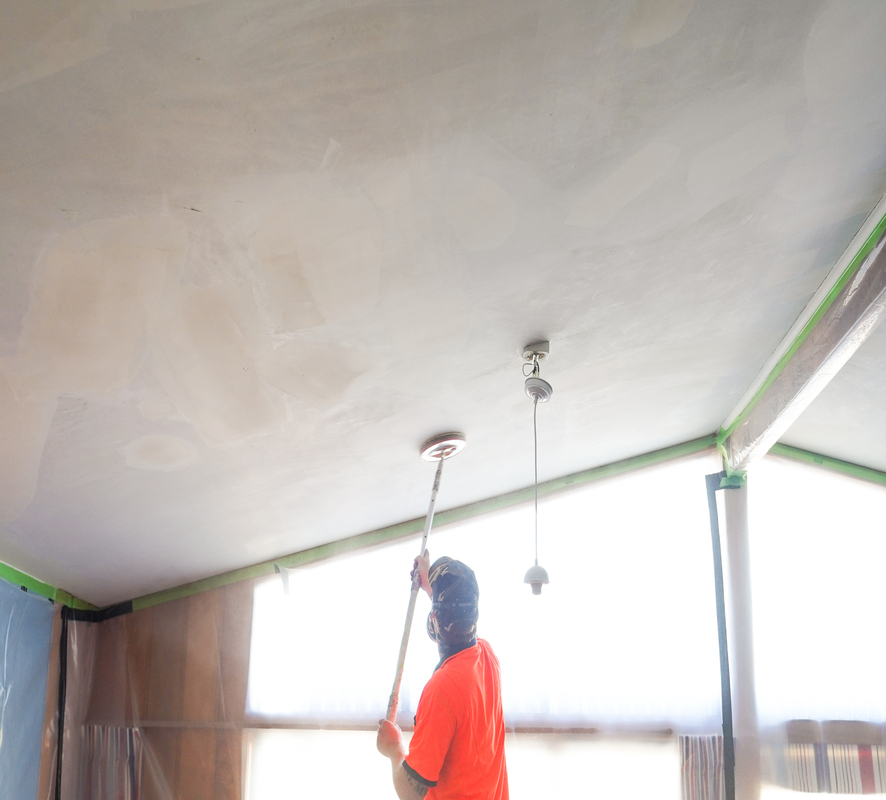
[(438, 449)]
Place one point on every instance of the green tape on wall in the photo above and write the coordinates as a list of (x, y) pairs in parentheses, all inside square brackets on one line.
[(31, 584)]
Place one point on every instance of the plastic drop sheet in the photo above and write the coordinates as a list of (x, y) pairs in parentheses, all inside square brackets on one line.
[(816, 556), (25, 635), (156, 701)]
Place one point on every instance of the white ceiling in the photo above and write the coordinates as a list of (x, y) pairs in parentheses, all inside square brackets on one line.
[(254, 253)]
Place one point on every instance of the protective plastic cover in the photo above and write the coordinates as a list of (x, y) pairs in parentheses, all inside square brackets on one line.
[(155, 702), (817, 552), (25, 635)]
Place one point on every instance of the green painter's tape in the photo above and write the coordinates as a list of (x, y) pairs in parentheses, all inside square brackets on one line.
[(18, 578), (734, 478), (834, 464), (413, 526), (69, 600), (847, 275)]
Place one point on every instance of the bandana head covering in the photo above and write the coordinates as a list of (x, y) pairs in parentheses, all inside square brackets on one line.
[(454, 602)]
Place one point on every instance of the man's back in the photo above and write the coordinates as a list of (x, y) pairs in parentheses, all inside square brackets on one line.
[(458, 744)]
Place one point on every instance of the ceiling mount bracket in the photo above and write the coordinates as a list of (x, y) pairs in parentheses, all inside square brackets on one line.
[(536, 351), (538, 390)]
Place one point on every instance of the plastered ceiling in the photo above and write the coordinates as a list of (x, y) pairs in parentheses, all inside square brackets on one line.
[(254, 253)]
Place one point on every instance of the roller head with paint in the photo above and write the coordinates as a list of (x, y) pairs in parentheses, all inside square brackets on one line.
[(454, 603)]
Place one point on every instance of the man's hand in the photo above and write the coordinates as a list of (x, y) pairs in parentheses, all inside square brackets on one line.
[(422, 565), (390, 741), (390, 744)]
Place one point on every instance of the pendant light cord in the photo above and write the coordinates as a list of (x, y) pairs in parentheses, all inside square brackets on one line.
[(535, 447)]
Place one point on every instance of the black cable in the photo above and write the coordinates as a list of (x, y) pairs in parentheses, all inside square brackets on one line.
[(713, 484), (62, 694)]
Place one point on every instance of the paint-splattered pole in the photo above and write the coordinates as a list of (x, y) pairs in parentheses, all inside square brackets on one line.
[(394, 700)]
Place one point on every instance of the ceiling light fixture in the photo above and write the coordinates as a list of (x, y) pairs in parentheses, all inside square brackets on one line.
[(539, 391)]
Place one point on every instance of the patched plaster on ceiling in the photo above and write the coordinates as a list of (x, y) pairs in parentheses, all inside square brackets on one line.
[(653, 21), (165, 453), (255, 253)]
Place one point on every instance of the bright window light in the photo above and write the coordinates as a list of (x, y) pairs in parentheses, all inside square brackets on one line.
[(817, 557), (295, 764), (327, 652), (625, 634)]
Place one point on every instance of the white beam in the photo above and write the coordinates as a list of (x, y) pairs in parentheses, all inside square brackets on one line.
[(873, 223), (845, 324)]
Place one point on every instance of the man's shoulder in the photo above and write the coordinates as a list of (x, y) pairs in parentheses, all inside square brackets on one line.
[(467, 662), (454, 667), (486, 648)]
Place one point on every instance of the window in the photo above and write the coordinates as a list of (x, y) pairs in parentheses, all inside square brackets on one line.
[(817, 555), (623, 637), (623, 640), (339, 765)]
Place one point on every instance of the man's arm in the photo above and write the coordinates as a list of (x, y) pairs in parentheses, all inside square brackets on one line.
[(390, 744), (407, 787)]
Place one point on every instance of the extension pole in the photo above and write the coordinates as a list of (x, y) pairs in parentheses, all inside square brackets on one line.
[(413, 595)]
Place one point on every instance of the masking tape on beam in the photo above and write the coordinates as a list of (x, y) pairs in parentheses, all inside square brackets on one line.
[(864, 250), (844, 327)]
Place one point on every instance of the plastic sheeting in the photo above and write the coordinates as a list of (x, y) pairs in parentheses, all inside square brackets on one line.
[(817, 555), (155, 701), (25, 636)]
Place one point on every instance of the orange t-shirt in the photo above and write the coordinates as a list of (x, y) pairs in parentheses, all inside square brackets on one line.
[(458, 747)]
